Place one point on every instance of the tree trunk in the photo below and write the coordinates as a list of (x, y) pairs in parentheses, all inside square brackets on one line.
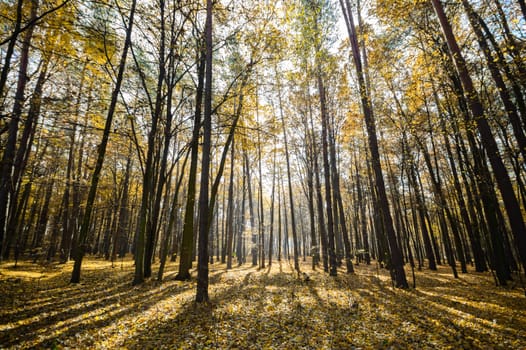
[(171, 222), (289, 178), (321, 218), (202, 262), (123, 223), (338, 202), (21, 159), (7, 190), (501, 175), (151, 197), (253, 234), (185, 263), (396, 263), (420, 208), (280, 185), (310, 154), (261, 208), (241, 227), (230, 211), (43, 218), (11, 47), (327, 175), (504, 94), (83, 235), (68, 218), (272, 198)]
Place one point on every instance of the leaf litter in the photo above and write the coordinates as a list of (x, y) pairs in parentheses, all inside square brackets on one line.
[(251, 308)]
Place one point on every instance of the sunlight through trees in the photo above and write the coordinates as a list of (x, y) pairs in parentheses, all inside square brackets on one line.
[(346, 134)]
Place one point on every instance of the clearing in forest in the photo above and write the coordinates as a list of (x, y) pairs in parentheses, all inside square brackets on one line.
[(271, 308)]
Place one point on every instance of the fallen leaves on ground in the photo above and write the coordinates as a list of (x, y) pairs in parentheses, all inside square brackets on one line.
[(251, 308)]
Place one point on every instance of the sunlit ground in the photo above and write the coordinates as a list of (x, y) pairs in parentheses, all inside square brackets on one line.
[(256, 309)]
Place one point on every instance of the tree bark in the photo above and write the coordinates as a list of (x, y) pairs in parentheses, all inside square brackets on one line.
[(11, 47), (289, 178), (230, 211), (396, 263), (501, 174), (202, 261), (185, 263), (83, 235), (7, 184), (504, 94), (272, 199), (333, 264)]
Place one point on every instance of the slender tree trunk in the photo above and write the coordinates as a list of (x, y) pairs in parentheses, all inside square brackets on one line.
[(83, 235), (512, 46), (241, 226), (53, 241), (170, 230), (151, 197), (363, 218), (224, 155), (338, 202), (289, 178), (123, 210), (312, 192), (230, 211), (286, 236), (253, 234), (272, 198), (185, 263), (437, 185), (443, 209), (321, 218), (509, 106), (21, 159), (501, 175), (475, 243), (43, 218), (224, 225), (333, 264), (314, 251), (261, 209), (280, 185), (11, 48), (68, 218), (78, 189), (396, 263), (24, 202), (502, 62), (7, 184), (420, 208), (202, 262)]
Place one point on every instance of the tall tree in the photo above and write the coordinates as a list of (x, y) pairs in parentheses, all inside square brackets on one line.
[(230, 211), (7, 164), (396, 262), (289, 178), (477, 113), (188, 223), (202, 262), (84, 229)]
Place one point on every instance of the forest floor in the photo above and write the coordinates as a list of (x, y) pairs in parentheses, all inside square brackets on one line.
[(253, 308)]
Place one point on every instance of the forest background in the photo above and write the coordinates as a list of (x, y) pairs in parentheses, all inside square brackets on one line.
[(250, 131)]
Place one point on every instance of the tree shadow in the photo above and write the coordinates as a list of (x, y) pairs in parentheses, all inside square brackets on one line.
[(47, 314), (253, 308)]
